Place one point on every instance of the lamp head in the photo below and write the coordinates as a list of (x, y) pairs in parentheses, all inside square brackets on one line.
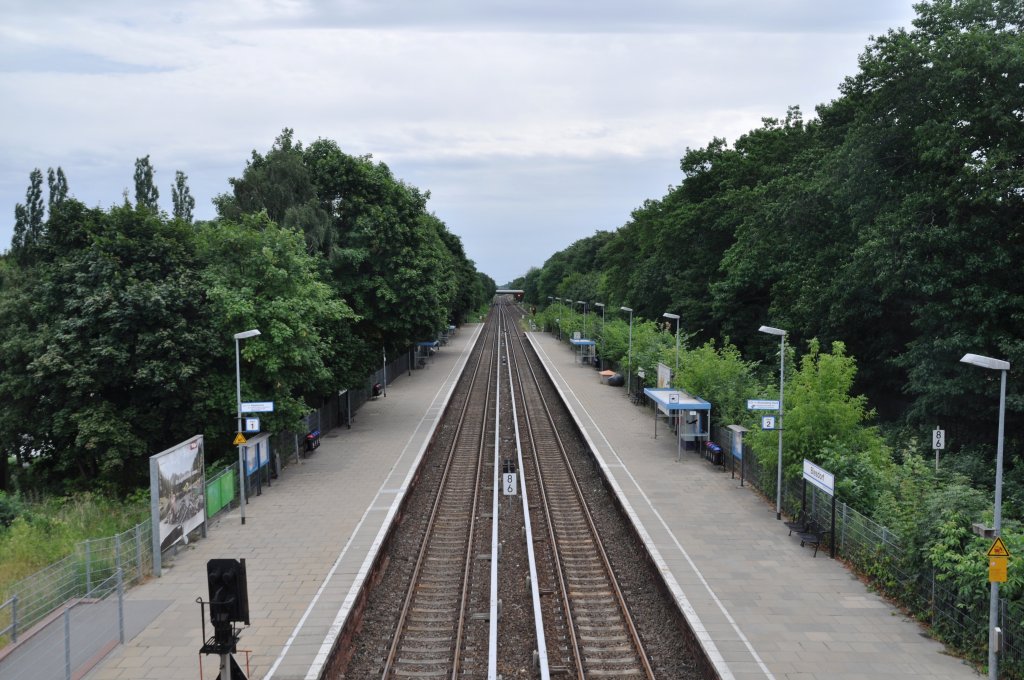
[(669, 315), (247, 334), (627, 309), (986, 362), (771, 331)]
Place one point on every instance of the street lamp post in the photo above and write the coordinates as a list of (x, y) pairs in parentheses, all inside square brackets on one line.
[(993, 603), (668, 315), (238, 394), (582, 302), (629, 361), (601, 305), (782, 382)]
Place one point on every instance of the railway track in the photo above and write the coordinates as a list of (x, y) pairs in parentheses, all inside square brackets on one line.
[(432, 622), (602, 638), (485, 580)]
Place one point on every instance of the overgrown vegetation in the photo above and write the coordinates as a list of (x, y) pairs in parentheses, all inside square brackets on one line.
[(33, 535)]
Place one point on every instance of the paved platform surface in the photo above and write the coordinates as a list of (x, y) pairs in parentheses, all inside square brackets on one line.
[(763, 605), (307, 539)]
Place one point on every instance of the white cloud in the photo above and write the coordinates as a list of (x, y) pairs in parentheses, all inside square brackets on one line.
[(515, 115)]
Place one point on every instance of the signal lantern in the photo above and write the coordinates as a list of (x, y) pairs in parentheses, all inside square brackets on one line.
[(229, 591)]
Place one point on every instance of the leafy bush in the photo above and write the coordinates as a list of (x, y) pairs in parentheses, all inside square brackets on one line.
[(10, 508)]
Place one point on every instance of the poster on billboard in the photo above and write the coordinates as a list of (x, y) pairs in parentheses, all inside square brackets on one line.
[(177, 493), (664, 375)]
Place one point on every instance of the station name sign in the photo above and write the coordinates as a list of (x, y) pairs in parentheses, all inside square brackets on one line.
[(820, 477), (762, 404)]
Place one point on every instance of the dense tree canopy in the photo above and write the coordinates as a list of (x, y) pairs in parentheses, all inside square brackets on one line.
[(891, 223), (116, 326)]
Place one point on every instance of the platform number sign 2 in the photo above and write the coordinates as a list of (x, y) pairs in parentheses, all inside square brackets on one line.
[(508, 483)]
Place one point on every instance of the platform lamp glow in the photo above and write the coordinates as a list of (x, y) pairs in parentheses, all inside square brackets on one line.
[(629, 361), (238, 393), (669, 315), (601, 305), (782, 383), (993, 603)]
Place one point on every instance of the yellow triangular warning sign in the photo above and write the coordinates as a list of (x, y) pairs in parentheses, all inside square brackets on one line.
[(998, 549), (239, 439)]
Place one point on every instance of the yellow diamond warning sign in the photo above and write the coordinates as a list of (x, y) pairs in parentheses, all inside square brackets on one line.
[(998, 549), (239, 439)]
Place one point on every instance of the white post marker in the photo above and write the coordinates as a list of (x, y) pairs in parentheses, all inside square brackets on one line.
[(508, 483), (767, 422), (938, 443)]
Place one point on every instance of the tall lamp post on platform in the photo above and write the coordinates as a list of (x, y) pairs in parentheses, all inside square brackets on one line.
[(782, 378), (238, 393), (669, 315), (993, 603), (629, 361), (601, 305)]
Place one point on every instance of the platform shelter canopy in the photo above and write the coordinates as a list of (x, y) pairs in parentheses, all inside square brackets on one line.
[(670, 400)]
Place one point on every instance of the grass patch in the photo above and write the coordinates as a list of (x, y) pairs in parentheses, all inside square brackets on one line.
[(42, 533)]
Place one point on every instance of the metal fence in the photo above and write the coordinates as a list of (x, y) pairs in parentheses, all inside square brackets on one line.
[(79, 575), (958, 619), (338, 409), (69, 641)]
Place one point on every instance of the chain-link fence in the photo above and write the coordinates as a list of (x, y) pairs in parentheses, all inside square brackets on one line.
[(958, 619)]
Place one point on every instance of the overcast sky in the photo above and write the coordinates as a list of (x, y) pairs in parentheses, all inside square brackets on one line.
[(533, 123)]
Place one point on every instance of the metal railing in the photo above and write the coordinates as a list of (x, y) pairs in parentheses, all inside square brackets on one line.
[(957, 619), (92, 562), (71, 640)]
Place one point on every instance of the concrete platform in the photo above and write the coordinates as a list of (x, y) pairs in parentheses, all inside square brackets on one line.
[(762, 605), (308, 541)]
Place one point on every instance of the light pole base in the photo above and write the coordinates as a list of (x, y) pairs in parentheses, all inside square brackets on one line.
[(778, 515)]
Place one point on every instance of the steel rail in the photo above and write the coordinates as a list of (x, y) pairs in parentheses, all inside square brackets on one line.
[(391, 663), (547, 422)]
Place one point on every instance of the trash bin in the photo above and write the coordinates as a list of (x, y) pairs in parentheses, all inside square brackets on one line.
[(714, 452), (313, 440)]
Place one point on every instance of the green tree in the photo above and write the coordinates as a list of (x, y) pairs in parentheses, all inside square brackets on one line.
[(721, 376), (256, 274), (106, 339), (29, 217), (146, 194), (182, 198), (826, 424), (58, 186)]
